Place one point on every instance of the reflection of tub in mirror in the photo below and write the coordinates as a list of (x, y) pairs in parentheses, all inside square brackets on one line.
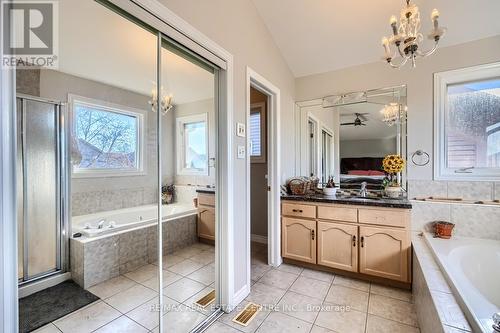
[(347, 136)]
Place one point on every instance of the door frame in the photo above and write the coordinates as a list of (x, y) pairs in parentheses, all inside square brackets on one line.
[(257, 81)]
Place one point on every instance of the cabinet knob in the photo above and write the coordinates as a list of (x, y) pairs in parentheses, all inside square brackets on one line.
[(362, 241), (354, 241)]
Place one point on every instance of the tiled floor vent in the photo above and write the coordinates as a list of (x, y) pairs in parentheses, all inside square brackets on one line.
[(207, 299), (247, 314)]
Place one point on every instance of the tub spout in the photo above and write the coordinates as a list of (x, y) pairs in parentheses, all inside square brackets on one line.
[(100, 224)]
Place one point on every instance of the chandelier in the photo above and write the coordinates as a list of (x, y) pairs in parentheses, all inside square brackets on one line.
[(407, 36), (394, 113), (165, 101)]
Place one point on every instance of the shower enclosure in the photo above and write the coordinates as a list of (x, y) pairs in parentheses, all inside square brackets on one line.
[(41, 187)]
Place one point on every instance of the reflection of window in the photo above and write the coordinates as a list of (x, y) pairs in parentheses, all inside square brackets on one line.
[(109, 138), (192, 145), (257, 133), (326, 155), (468, 123)]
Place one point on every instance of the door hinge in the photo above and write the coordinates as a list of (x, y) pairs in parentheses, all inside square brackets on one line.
[(269, 188)]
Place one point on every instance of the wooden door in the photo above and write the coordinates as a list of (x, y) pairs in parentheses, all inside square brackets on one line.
[(384, 252), (299, 239), (337, 246), (206, 222)]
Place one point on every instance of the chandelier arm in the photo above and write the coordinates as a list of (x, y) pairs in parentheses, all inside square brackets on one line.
[(429, 52), (401, 53), (402, 63)]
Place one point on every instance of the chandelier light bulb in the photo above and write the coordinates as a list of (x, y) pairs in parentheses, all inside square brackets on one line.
[(393, 20), (434, 14)]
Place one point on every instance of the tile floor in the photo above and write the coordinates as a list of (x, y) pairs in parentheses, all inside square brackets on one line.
[(294, 300), (304, 300), (129, 302)]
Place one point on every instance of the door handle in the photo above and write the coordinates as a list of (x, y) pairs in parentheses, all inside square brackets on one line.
[(354, 240), (312, 234), (362, 241)]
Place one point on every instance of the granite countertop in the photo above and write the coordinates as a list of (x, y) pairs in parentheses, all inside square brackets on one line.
[(346, 200), (206, 190)]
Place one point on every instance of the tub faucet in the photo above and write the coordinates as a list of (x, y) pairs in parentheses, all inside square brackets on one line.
[(363, 192), (496, 321), (100, 224)]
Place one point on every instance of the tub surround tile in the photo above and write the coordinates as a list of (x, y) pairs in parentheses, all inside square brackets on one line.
[(470, 190), (476, 221), (133, 251), (424, 213), (427, 188), (449, 311), (496, 192), (101, 260)]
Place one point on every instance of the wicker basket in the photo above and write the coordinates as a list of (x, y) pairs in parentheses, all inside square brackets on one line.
[(298, 186)]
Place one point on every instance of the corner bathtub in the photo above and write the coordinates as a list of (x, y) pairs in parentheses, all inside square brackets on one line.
[(127, 218), (472, 268)]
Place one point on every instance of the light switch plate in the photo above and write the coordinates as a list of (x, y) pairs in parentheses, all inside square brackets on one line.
[(241, 152), (240, 130)]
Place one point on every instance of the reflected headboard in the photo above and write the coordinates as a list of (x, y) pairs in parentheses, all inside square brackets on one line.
[(360, 163)]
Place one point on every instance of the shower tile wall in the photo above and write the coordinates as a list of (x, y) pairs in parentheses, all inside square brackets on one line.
[(99, 201), (470, 220)]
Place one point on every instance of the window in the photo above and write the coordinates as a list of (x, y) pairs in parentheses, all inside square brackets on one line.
[(108, 139), (326, 155), (192, 144), (467, 114), (257, 134)]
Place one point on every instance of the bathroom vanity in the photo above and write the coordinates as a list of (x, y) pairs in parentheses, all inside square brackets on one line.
[(206, 214), (369, 238)]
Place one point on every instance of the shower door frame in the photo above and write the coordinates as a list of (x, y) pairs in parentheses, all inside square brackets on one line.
[(62, 191)]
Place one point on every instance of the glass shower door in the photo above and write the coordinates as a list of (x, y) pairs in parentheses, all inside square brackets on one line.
[(39, 188)]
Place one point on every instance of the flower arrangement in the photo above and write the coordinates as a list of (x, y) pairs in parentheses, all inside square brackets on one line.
[(392, 165)]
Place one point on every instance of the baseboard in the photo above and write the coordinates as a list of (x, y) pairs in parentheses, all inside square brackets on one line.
[(259, 239)]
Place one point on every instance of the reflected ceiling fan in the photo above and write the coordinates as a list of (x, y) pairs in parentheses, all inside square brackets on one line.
[(357, 120)]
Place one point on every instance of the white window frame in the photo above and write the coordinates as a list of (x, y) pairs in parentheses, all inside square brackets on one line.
[(329, 173), (181, 149), (261, 106), (115, 108), (441, 82)]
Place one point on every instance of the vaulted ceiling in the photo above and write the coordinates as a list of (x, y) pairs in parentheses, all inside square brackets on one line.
[(317, 36)]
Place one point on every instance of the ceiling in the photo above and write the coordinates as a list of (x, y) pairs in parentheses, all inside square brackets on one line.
[(115, 51), (375, 128), (317, 36)]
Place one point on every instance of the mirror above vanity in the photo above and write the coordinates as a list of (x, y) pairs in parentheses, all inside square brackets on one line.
[(347, 136)]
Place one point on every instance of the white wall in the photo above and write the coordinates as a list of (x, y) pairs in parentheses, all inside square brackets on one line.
[(244, 35), (419, 83), (367, 148)]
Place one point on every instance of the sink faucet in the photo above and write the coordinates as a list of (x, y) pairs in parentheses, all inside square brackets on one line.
[(363, 192), (100, 224)]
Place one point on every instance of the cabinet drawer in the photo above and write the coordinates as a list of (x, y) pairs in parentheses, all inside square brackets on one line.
[(292, 209), (338, 213), (383, 217), (206, 199)]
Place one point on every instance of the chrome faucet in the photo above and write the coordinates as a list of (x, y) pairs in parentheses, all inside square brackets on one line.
[(496, 321), (363, 192), (100, 224)]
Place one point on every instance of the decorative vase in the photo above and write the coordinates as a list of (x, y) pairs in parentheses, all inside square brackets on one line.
[(443, 229), (393, 191), (329, 191)]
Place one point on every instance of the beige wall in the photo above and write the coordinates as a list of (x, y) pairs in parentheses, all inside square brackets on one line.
[(244, 35), (419, 83)]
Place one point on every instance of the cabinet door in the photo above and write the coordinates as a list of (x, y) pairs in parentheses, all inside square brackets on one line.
[(206, 222), (299, 239), (337, 246), (384, 252)]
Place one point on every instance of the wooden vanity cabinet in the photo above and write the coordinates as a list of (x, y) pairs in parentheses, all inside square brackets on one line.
[(372, 241), (206, 216), (299, 239), (337, 246)]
